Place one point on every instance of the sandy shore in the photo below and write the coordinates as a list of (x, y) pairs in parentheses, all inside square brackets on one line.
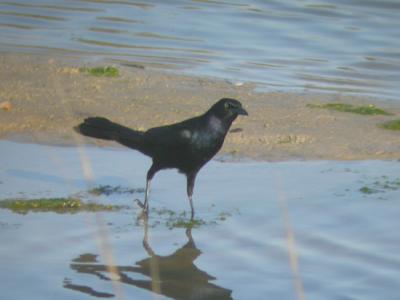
[(48, 96)]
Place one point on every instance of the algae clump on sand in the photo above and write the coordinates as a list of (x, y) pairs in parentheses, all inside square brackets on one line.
[(391, 125), (57, 205), (344, 107), (107, 71)]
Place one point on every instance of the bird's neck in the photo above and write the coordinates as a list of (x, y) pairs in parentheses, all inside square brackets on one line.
[(218, 125)]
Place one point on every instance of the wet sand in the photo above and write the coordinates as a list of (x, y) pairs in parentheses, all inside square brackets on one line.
[(49, 95)]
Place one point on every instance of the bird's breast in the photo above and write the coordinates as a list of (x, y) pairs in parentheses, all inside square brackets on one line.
[(206, 141)]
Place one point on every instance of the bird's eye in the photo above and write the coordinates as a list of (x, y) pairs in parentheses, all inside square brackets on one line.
[(229, 105)]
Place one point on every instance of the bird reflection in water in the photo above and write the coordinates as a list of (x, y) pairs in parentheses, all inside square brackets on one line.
[(174, 276)]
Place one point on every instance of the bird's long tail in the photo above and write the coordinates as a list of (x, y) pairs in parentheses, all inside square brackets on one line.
[(102, 128)]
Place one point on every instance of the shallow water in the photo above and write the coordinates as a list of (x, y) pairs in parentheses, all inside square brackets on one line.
[(333, 46), (346, 241)]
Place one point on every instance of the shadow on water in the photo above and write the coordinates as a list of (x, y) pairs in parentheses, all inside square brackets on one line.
[(175, 275)]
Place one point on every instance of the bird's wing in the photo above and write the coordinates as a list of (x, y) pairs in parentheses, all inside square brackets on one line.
[(175, 135), (174, 145)]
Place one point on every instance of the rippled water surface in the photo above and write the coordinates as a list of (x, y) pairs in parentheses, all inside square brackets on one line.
[(268, 228), (341, 46)]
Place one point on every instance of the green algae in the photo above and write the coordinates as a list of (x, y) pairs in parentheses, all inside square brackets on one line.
[(174, 220), (381, 185), (391, 125), (107, 71), (57, 205), (344, 107), (108, 190)]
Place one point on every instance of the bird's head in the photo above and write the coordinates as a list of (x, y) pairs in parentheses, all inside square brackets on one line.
[(228, 109)]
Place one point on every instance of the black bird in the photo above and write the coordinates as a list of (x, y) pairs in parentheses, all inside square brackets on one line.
[(186, 146)]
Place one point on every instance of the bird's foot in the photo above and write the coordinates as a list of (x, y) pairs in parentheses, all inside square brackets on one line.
[(140, 203), (145, 209)]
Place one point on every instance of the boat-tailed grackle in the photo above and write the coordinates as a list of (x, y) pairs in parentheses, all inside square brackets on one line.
[(186, 146)]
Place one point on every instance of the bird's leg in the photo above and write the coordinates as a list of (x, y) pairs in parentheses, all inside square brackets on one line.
[(190, 185), (150, 174), (146, 196), (191, 208)]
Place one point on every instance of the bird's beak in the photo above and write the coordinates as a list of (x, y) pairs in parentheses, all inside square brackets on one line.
[(242, 111)]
